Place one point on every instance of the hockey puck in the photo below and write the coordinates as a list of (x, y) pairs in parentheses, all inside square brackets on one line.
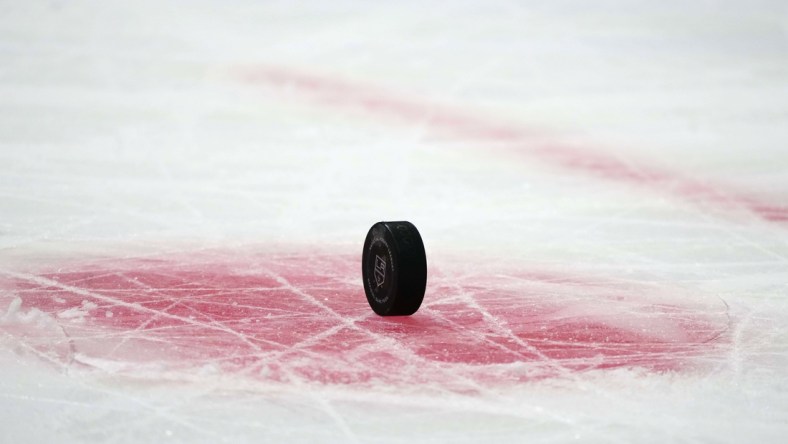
[(394, 268)]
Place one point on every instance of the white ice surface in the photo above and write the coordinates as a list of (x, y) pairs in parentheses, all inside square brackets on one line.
[(132, 130)]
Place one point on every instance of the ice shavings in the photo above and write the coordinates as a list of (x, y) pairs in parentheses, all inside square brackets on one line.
[(15, 315), (78, 313)]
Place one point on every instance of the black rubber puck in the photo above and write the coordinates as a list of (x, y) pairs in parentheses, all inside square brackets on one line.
[(394, 268)]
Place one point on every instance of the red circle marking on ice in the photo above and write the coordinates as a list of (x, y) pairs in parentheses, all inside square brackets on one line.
[(304, 317)]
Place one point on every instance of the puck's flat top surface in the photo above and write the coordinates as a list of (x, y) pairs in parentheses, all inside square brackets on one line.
[(394, 268)]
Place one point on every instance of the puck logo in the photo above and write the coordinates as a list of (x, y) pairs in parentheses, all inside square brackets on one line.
[(380, 270)]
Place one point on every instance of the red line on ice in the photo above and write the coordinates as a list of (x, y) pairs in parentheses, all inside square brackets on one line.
[(378, 103)]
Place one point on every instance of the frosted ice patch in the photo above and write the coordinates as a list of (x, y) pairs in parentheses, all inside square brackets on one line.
[(14, 314), (13, 310), (107, 365), (78, 313), (32, 331)]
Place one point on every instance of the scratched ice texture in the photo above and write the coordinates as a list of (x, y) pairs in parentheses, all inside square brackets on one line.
[(185, 188)]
